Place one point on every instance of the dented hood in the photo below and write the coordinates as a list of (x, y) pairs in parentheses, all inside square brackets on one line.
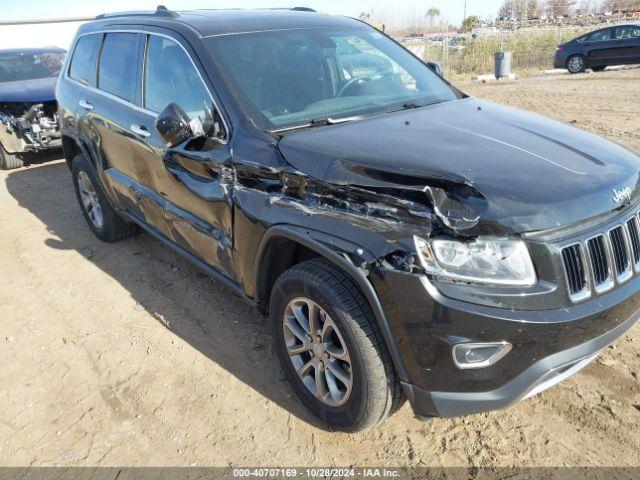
[(29, 91), (531, 172)]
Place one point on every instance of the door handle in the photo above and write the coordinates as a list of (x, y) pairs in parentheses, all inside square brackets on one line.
[(86, 104), (140, 130)]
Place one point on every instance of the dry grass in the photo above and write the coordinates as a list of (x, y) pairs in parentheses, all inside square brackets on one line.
[(531, 50)]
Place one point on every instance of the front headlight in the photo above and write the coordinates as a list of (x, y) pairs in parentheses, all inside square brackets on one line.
[(488, 261)]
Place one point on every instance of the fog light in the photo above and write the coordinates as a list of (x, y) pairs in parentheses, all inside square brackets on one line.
[(479, 355)]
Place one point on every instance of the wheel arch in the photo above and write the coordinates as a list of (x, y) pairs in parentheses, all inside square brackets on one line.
[(72, 146), (265, 275)]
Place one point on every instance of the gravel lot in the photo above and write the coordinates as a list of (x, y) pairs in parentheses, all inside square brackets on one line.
[(124, 354)]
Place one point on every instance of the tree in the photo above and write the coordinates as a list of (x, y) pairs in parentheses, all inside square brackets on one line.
[(558, 8), (534, 9), (365, 16), (470, 23), (588, 7), (432, 14), (506, 9), (520, 9), (615, 5)]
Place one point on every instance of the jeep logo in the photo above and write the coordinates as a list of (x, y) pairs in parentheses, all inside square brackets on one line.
[(620, 195)]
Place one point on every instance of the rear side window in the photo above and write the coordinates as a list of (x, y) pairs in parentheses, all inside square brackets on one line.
[(117, 70), (83, 62), (170, 76), (627, 33)]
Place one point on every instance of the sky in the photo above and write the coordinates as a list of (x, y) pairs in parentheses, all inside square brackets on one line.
[(62, 34)]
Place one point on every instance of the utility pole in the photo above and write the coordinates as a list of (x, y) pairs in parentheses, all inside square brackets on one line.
[(464, 16)]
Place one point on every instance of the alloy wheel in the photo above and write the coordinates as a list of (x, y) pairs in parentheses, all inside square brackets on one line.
[(576, 64), (90, 200), (318, 352)]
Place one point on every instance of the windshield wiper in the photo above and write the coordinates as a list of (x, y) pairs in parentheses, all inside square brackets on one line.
[(324, 121), (318, 122), (413, 105)]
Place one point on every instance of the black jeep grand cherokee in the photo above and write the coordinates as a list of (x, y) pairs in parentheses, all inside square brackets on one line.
[(408, 241)]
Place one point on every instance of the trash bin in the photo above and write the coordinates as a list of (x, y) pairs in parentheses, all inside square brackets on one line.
[(503, 64)]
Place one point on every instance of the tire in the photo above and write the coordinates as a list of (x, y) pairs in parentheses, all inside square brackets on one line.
[(375, 391), (599, 68), (9, 161), (576, 64), (111, 226)]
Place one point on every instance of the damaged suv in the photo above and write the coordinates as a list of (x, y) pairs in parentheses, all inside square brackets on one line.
[(406, 240), (28, 110)]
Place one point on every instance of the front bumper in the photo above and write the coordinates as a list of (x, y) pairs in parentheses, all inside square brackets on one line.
[(535, 379), (548, 345)]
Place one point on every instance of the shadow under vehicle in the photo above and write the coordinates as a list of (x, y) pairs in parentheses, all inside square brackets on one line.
[(28, 109)]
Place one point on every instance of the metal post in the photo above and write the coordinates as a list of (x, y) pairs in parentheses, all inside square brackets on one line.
[(426, 49)]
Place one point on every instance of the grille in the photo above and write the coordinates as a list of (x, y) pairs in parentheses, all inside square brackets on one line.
[(574, 265), (634, 239), (620, 252), (598, 257), (597, 264)]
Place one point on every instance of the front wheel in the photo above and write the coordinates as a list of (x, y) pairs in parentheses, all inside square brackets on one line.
[(576, 64), (331, 349)]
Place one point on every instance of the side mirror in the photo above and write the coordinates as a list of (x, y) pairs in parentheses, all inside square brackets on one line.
[(436, 68), (173, 126)]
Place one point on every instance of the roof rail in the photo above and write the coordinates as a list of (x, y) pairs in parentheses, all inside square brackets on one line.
[(295, 9), (161, 11)]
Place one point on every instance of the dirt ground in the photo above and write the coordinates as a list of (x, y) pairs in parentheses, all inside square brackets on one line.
[(125, 355)]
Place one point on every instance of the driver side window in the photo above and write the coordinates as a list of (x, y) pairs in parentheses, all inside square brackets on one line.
[(600, 36), (170, 76)]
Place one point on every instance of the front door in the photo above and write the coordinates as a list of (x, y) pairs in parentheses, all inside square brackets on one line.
[(601, 48), (192, 181)]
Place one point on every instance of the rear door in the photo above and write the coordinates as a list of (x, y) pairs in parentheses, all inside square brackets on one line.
[(192, 181), (104, 107), (119, 91)]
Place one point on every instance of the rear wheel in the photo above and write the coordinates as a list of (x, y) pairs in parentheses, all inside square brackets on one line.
[(576, 64), (9, 161), (105, 223), (331, 349)]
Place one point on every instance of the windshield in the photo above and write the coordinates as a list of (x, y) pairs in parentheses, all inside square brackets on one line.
[(291, 78), (17, 66)]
